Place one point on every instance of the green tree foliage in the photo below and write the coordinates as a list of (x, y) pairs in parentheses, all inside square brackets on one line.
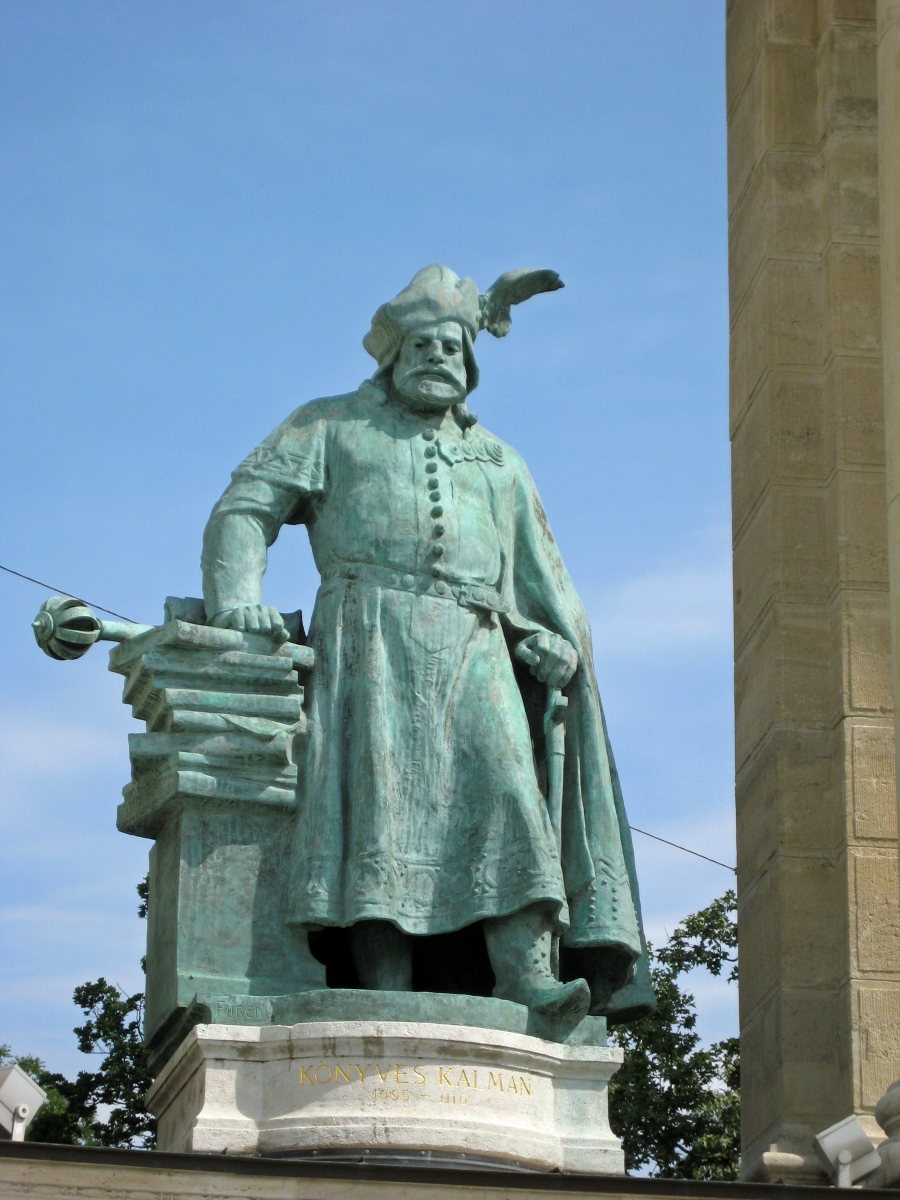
[(74, 1111), (675, 1103)]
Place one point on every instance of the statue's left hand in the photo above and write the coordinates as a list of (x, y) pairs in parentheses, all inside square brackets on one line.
[(253, 618), (549, 657)]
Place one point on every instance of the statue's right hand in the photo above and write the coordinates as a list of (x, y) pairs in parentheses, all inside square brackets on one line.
[(253, 618)]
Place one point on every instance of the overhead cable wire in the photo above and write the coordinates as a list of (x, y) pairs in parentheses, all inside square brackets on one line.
[(63, 592), (696, 853), (100, 607)]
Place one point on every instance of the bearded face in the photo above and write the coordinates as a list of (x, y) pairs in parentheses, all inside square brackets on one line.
[(430, 371)]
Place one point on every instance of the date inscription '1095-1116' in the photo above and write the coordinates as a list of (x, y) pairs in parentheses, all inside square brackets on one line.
[(394, 1076)]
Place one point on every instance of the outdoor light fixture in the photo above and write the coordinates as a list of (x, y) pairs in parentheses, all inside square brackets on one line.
[(847, 1152), (20, 1098)]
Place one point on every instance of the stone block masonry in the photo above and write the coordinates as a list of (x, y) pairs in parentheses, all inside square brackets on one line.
[(816, 817)]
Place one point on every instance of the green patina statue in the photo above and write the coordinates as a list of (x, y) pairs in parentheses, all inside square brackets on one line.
[(457, 769)]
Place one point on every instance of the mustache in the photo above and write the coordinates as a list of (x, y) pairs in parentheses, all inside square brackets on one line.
[(441, 372)]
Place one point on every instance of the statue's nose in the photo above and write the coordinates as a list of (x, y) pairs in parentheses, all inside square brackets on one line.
[(436, 353)]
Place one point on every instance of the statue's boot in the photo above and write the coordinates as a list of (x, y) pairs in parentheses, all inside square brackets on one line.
[(382, 955), (519, 947), (606, 971), (309, 973)]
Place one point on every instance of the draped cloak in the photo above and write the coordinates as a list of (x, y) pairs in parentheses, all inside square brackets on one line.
[(422, 782)]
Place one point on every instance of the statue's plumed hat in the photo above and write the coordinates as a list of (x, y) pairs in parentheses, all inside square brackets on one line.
[(436, 294)]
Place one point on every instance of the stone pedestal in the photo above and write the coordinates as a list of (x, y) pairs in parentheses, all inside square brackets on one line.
[(214, 783), (333, 1088)]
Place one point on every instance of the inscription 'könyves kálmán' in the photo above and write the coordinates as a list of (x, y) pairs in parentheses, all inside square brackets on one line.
[(411, 1083)]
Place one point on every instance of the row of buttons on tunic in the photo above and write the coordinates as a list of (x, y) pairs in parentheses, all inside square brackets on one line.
[(437, 530)]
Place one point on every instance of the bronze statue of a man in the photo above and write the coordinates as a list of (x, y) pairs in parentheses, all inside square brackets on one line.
[(444, 614)]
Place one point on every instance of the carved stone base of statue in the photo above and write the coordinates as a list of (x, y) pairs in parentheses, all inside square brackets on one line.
[(408, 1089)]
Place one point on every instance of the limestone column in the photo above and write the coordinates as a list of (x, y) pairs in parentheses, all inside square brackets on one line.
[(888, 1110), (889, 187), (817, 848)]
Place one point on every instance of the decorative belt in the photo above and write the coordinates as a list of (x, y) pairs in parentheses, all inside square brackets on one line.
[(467, 595)]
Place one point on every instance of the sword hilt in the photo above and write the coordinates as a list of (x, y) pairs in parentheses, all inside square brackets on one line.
[(555, 716)]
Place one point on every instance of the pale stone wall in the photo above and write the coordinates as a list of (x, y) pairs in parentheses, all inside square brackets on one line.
[(889, 189), (817, 833)]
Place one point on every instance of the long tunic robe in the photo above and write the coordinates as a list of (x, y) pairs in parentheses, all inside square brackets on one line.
[(420, 799)]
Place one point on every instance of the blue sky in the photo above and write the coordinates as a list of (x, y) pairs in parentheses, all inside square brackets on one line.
[(203, 203)]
